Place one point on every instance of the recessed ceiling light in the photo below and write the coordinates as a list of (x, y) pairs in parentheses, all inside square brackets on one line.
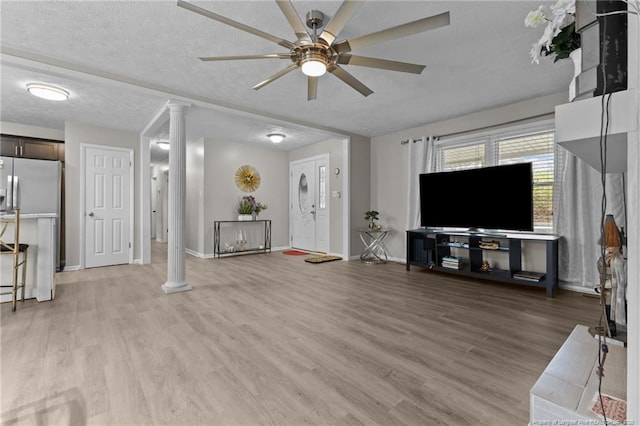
[(163, 145), (45, 91), (276, 137)]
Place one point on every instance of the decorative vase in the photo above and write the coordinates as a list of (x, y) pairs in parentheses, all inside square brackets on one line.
[(611, 233), (576, 57), (254, 216), (243, 217)]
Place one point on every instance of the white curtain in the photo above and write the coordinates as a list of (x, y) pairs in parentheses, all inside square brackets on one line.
[(579, 216), (421, 159)]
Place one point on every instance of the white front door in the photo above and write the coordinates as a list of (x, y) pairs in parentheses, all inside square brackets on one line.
[(107, 213), (309, 209)]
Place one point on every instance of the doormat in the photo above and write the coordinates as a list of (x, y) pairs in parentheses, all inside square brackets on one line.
[(295, 252), (322, 259)]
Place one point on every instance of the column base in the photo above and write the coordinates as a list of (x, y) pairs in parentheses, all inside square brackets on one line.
[(175, 289)]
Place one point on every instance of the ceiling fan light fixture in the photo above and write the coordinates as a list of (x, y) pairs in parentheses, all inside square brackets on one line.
[(313, 63), (48, 92), (313, 68), (276, 137), (164, 145)]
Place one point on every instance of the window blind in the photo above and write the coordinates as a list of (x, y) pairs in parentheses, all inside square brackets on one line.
[(509, 147), (538, 150)]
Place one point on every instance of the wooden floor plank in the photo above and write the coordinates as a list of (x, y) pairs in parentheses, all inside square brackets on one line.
[(272, 340)]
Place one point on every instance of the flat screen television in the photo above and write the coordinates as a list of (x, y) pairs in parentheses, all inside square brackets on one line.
[(488, 198)]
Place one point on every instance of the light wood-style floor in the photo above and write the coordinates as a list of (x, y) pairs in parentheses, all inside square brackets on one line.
[(270, 339)]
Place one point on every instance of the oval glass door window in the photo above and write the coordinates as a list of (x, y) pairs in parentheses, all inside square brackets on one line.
[(303, 191)]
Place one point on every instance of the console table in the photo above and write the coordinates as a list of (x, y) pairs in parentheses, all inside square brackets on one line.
[(235, 237), (463, 253)]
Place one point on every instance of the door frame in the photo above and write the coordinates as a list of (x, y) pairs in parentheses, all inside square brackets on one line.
[(83, 170), (326, 157)]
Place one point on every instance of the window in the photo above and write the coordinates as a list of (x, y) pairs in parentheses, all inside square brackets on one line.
[(533, 144)]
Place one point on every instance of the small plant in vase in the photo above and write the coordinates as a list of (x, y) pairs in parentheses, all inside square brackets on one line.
[(244, 207), (372, 216), (249, 206)]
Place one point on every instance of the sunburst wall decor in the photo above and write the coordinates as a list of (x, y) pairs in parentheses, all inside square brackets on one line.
[(247, 178)]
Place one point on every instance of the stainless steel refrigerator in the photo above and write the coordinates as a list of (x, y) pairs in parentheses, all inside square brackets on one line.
[(34, 186)]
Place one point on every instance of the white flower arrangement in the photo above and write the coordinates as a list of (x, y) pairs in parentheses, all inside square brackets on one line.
[(559, 37)]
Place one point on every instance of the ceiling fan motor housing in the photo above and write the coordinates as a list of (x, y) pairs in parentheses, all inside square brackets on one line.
[(315, 19)]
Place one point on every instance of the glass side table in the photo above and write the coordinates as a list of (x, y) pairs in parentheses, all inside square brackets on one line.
[(374, 250)]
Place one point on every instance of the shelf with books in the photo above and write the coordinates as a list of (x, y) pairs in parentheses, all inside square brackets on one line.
[(466, 253)]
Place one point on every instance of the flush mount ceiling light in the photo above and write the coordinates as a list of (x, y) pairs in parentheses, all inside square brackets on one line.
[(163, 145), (276, 137), (45, 91)]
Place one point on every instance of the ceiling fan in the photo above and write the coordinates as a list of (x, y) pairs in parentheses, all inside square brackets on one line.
[(316, 54)]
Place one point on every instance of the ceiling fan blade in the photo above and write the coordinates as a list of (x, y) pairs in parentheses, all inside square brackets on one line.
[(346, 11), (350, 80), (410, 28), (275, 76), (312, 88), (232, 58), (383, 64), (294, 20), (235, 24)]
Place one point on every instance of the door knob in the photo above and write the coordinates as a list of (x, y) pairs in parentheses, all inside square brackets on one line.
[(91, 214)]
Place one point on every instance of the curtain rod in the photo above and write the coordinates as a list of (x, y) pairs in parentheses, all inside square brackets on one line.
[(493, 126)]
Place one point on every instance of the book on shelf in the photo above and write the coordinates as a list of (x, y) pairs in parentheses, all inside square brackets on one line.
[(449, 266), (534, 280), (528, 275), (453, 264), (452, 258)]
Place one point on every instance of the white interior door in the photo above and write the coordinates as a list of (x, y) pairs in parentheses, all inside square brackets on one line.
[(107, 206), (309, 210)]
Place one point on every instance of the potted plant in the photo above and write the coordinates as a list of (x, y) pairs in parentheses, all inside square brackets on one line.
[(560, 37), (249, 208), (371, 216)]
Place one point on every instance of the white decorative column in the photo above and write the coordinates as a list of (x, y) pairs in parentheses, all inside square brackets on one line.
[(177, 194)]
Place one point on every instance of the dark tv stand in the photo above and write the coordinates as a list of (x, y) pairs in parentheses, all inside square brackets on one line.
[(428, 248)]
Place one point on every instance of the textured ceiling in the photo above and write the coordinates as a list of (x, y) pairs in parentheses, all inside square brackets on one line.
[(123, 60)]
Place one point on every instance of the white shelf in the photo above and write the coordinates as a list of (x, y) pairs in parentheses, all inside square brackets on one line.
[(578, 128), (565, 391)]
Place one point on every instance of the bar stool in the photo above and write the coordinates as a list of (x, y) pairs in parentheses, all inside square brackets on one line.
[(16, 249)]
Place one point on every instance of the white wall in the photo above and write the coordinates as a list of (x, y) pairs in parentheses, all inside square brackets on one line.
[(76, 134), (633, 232), (334, 148), (389, 160), (221, 195), (194, 203), (361, 169)]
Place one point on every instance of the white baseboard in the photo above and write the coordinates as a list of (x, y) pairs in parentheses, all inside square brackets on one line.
[(193, 253), (213, 256), (71, 268), (565, 285)]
